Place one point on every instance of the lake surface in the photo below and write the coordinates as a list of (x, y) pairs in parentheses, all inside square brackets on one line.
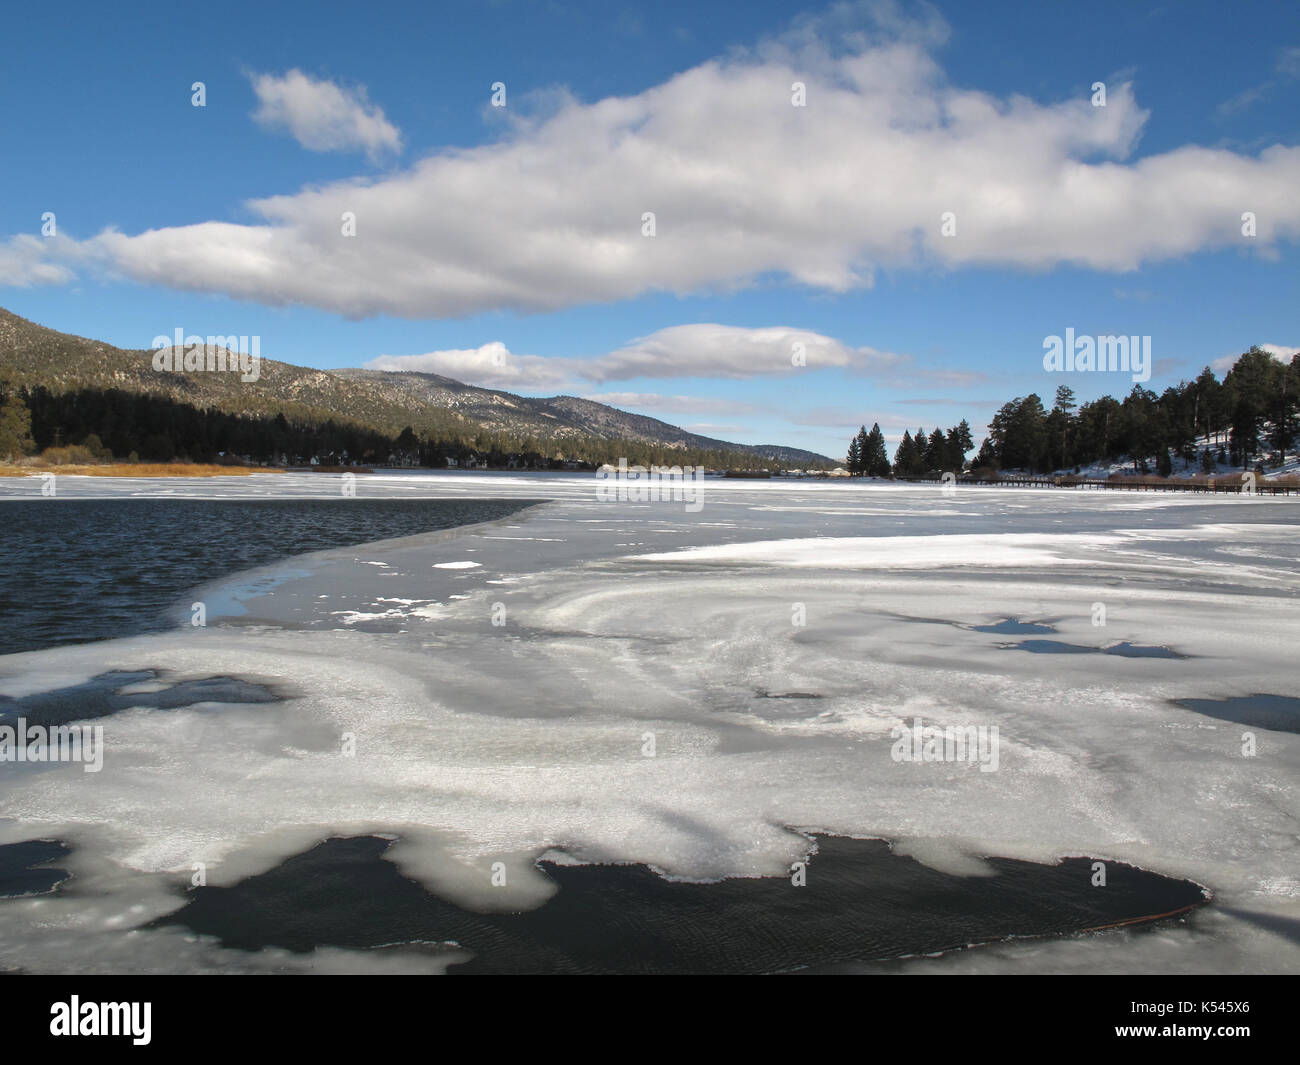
[(641, 716), (860, 902), (94, 569)]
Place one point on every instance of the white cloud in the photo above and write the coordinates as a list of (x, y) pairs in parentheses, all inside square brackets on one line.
[(686, 351), (744, 186), (709, 350), (322, 116), (25, 260), (489, 366)]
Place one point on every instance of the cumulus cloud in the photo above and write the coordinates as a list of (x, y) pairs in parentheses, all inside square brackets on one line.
[(26, 260), (710, 350), (744, 187), (490, 366), (322, 116), (698, 350)]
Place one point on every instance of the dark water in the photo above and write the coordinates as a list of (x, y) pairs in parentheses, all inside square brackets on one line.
[(861, 902), (76, 570), (101, 696), (1123, 650), (25, 868), (1015, 627), (1279, 713)]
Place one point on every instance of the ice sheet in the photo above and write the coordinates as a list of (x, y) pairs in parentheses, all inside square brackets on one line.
[(478, 742)]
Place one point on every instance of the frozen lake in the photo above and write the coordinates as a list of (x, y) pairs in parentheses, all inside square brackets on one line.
[(696, 690)]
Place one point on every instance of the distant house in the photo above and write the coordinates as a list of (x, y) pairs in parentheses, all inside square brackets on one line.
[(452, 463)]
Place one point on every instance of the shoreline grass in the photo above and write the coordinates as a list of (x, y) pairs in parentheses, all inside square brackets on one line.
[(137, 469)]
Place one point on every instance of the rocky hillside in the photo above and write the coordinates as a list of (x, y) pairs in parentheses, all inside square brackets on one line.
[(432, 405)]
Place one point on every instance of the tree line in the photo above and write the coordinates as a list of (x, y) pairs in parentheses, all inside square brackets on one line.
[(915, 456), (1255, 409), (97, 425), (1238, 420)]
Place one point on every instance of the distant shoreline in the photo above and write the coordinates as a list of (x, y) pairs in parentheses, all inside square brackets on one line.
[(142, 469), (1231, 484)]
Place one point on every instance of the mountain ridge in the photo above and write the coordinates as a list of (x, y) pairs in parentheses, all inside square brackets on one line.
[(388, 400)]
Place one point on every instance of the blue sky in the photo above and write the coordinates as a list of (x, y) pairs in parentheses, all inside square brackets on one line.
[(503, 245)]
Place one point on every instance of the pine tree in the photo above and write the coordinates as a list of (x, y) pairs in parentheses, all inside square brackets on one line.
[(988, 456), (963, 437), (1019, 432), (1286, 406), (854, 460), (1206, 403), (936, 452), (1060, 419), (15, 426), (1250, 379), (875, 461), (903, 455), (862, 443)]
